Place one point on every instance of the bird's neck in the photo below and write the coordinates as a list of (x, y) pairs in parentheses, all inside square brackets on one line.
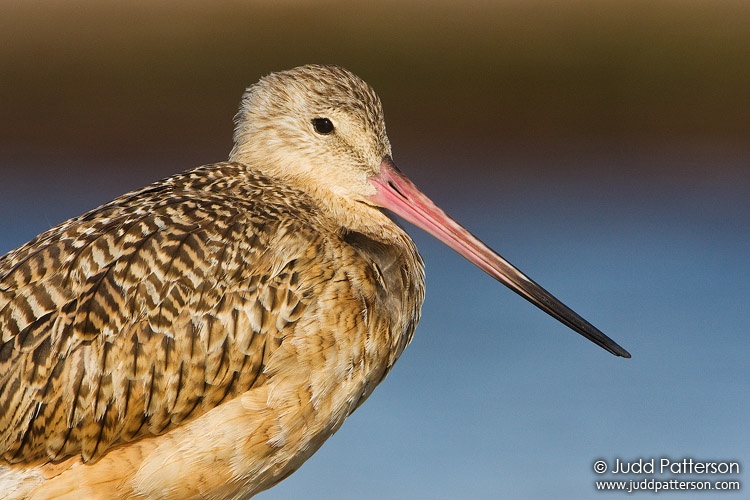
[(335, 211), (359, 217)]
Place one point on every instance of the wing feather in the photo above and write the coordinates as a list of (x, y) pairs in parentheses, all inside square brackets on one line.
[(143, 314)]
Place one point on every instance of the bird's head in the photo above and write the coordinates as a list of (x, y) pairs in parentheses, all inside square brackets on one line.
[(313, 126)]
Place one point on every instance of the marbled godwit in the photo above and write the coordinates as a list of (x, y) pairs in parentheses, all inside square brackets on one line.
[(203, 336)]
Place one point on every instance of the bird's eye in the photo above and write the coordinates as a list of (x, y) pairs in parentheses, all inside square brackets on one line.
[(322, 125)]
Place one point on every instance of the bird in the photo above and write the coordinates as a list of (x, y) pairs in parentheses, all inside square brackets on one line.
[(203, 336)]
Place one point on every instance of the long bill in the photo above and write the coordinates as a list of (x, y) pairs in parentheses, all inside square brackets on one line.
[(398, 194)]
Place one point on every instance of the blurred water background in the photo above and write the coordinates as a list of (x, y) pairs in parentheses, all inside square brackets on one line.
[(601, 146)]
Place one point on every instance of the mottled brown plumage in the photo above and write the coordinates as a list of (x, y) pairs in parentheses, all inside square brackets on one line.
[(203, 336), (154, 310)]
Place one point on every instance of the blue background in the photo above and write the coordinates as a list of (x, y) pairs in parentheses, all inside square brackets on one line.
[(627, 200)]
